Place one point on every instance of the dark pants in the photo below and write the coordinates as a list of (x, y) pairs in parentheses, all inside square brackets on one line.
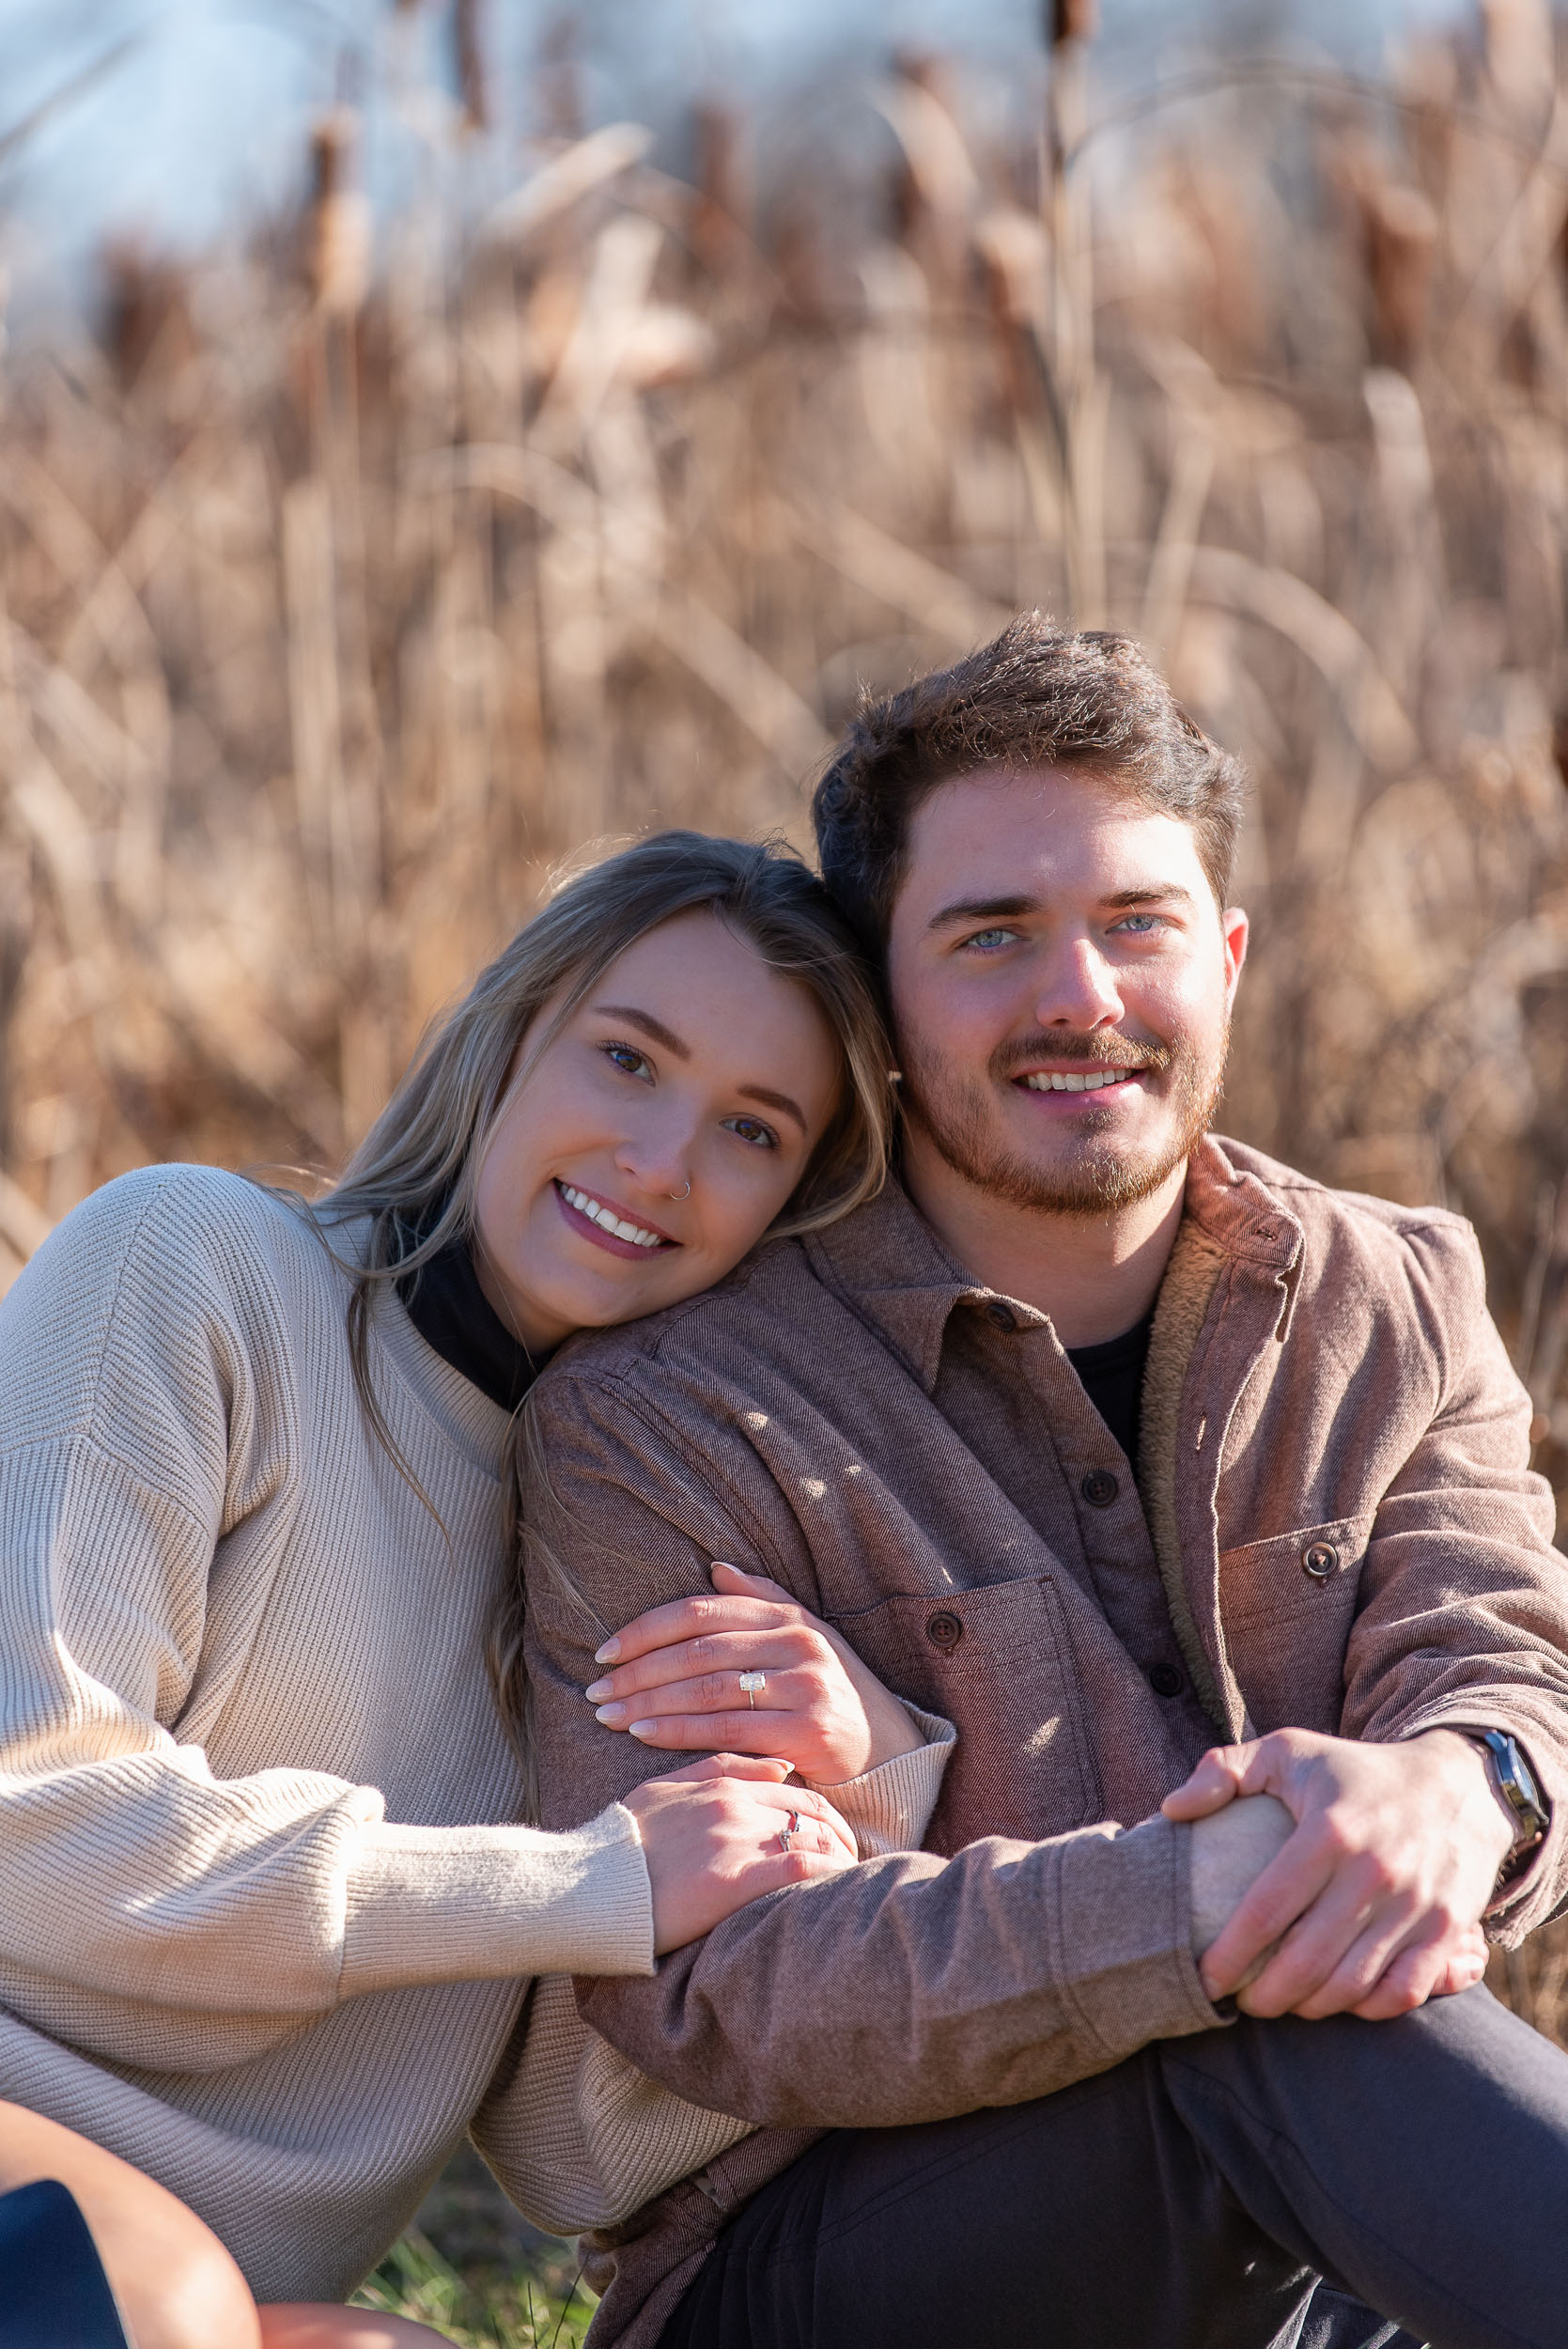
[(53, 2293), (1190, 2199)]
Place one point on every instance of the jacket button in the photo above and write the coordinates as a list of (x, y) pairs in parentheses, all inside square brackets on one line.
[(1320, 1558), (1003, 1316), (1165, 1681), (1099, 1489), (944, 1629)]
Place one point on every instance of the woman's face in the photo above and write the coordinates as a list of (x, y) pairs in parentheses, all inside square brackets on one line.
[(690, 1063)]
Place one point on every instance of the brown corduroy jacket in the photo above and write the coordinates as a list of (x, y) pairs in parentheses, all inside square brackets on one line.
[(1332, 1524)]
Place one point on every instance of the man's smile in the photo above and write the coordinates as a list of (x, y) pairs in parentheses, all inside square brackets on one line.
[(1081, 1081)]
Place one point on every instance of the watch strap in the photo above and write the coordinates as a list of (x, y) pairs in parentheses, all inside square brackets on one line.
[(1514, 1782)]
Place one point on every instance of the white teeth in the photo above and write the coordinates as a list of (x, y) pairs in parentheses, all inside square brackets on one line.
[(597, 1212), (1055, 1080)]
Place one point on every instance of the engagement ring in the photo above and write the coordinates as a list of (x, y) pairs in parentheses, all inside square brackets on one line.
[(752, 1682)]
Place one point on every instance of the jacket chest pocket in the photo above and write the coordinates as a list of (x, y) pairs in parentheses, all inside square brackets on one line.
[(1287, 1606), (997, 1662)]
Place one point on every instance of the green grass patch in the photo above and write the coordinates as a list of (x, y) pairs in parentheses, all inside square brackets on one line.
[(518, 2310)]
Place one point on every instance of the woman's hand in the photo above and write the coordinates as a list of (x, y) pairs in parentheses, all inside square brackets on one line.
[(725, 1830), (676, 1683)]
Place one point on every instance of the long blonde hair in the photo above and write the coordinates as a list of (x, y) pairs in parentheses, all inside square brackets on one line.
[(414, 1175)]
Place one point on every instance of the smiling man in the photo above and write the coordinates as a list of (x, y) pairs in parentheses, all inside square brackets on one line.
[(1198, 1496)]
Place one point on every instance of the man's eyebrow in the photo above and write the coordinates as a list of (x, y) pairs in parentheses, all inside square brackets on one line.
[(983, 910), (1011, 908), (649, 1025), (1159, 893), (775, 1101)]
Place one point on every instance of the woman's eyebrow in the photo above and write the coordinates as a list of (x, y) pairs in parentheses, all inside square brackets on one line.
[(649, 1025), (775, 1101), (672, 1043)]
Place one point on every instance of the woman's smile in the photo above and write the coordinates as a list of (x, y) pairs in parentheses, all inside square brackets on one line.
[(607, 1224)]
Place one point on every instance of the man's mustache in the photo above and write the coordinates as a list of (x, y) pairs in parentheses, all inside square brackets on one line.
[(1089, 1052)]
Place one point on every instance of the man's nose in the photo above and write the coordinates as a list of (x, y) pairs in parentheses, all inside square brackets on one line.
[(1079, 988)]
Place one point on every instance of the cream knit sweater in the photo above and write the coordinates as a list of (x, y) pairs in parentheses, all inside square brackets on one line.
[(267, 1927)]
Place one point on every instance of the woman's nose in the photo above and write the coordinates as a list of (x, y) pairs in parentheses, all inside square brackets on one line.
[(659, 1160)]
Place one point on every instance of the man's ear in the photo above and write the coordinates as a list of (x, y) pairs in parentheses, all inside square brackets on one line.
[(1235, 930)]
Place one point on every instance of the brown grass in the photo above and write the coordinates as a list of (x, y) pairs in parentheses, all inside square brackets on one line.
[(337, 603)]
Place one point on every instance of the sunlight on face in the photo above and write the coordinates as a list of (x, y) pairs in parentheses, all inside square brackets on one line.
[(692, 1062), (1062, 984)]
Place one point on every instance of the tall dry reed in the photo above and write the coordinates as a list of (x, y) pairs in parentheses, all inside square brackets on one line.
[(337, 601)]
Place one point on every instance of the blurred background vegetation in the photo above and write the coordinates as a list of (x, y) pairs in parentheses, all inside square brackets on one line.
[(357, 569)]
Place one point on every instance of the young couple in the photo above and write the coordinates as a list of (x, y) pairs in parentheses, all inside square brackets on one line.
[(1192, 1495)]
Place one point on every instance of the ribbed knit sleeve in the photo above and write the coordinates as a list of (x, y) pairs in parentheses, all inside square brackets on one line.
[(890, 1808), (152, 1911)]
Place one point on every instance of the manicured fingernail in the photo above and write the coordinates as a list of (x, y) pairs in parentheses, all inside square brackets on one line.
[(612, 1713), (600, 1691), (643, 1729), (608, 1652)]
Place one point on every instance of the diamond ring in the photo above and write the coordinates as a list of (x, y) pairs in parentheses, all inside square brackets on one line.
[(752, 1682)]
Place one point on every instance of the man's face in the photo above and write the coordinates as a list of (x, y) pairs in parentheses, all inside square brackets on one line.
[(1061, 983)]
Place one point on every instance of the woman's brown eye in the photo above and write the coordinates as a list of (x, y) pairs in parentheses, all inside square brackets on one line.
[(751, 1130)]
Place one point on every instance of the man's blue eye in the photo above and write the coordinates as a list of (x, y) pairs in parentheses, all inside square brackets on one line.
[(988, 940), (1142, 922)]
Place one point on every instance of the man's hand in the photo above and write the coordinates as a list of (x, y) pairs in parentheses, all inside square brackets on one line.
[(1373, 1903)]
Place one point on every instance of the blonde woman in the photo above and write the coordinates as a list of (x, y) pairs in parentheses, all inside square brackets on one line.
[(268, 1918)]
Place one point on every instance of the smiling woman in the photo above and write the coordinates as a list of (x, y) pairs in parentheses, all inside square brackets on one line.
[(645, 1141), (251, 1547)]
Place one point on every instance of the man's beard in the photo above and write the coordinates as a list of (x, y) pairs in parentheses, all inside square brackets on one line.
[(957, 1115)]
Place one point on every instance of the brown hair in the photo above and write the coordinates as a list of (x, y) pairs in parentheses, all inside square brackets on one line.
[(1036, 696)]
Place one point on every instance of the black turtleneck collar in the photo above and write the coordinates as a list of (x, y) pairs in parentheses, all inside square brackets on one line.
[(452, 1315)]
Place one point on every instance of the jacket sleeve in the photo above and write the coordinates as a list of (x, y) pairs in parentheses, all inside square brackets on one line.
[(1461, 1616), (577, 2136), (151, 1912), (905, 1989)]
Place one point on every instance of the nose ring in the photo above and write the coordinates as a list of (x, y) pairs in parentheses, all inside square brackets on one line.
[(683, 1194)]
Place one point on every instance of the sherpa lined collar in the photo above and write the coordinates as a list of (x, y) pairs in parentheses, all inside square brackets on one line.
[(888, 1264)]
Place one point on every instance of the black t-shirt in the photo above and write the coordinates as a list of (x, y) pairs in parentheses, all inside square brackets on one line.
[(1112, 1376), (452, 1315)]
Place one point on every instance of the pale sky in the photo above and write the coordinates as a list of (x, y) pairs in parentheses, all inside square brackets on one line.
[(203, 115)]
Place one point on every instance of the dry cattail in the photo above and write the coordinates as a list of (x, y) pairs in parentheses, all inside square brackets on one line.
[(720, 211), (1071, 20), (338, 231), (147, 311), (469, 58), (1400, 232)]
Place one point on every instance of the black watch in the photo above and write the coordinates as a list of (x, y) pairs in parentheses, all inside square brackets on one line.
[(1515, 1781)]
